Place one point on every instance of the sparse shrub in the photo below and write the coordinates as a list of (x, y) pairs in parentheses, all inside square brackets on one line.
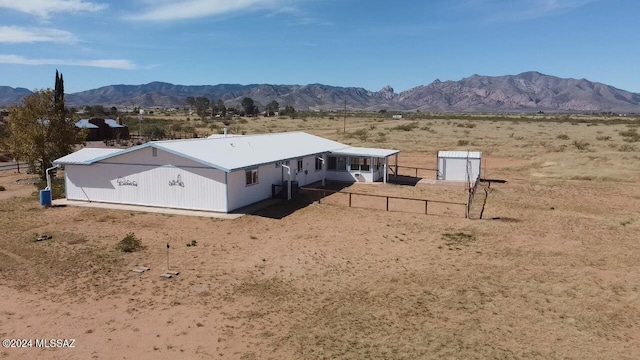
[(563, 137), (2, 188), (627, 148), (630, 135), (470, 125), (458, 239), (581, 144), (406, 127), (372, 127), (603, 138), (129, 243), (362, 134), (243, 121), (463, 142)]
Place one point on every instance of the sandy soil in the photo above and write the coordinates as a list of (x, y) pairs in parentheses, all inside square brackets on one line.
[(553, 274)]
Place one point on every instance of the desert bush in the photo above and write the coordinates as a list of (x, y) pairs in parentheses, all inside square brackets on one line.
[(603, 138), (581, 144), (129, 243), (2, 188), (630, 135), (563, 137), (627, 148), (459, 238), (243, 121), (362, 134), (463, 142), (406, 127)]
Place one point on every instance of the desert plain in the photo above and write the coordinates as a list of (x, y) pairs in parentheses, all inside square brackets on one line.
[(552, 271)]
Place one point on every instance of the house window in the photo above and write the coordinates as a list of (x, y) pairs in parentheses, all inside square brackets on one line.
[(252, 176), (360, 164), (299, 165), (318, 164), (337, 163), (154, 152)]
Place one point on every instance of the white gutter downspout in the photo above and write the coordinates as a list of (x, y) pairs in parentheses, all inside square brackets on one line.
[(49, 176), (289, 182), (324, 169)]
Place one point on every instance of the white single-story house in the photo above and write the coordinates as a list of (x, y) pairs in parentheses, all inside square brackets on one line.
[(459, 165), (218, 174)]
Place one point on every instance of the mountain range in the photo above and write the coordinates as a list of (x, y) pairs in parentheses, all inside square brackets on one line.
[(525, 92)]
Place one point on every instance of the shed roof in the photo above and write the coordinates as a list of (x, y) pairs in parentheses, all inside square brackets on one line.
[(85, 156), (360, 151), (460, 154), (113, 124), (84, 123)]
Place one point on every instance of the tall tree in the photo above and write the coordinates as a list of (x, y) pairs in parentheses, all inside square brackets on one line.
[(39, 130), (272, 108), (248, 106), (221, 108), (202, 104)]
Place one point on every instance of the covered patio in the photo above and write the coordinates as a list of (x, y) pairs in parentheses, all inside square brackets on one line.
[(359, 164)]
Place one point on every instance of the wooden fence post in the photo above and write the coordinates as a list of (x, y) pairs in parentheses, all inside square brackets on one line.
[(426, 207), (387, 203), (349, 199)]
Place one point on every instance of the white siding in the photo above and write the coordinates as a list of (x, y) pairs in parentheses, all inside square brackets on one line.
[(455, 169), (241, 194), (308, 174), (204, 188)]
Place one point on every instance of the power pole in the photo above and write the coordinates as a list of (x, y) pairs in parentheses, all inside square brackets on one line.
[(344, 126)]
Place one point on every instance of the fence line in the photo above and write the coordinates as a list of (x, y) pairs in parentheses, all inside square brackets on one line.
[(410, 167), (426, 201)]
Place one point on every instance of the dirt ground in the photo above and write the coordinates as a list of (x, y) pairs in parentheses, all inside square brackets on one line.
[(551, 272)]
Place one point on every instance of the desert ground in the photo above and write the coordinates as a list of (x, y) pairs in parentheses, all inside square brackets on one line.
[(552, 271)]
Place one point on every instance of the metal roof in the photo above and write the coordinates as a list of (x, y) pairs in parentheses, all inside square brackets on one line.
[(360, 151), (84, 123), (236, 152), (220, 136), (232, 153), (85, 156), (460, 154), (112, 123)]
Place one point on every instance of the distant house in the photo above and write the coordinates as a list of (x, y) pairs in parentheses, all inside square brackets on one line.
[(397, 117), (103, 129)]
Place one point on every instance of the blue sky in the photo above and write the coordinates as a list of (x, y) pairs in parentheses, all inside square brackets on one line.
[(364, 43)]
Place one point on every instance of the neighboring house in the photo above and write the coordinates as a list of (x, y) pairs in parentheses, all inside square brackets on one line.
[(103, 129), (92, 130), (219, 174)]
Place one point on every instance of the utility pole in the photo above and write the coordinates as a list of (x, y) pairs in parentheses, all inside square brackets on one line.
[(344, 126)]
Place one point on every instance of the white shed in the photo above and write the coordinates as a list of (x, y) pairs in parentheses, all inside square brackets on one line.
[(459, 165), (219, 174)]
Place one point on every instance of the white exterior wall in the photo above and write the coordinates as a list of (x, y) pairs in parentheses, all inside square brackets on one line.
[(455, 169), (112, 182), (308, 165), (242, 195)]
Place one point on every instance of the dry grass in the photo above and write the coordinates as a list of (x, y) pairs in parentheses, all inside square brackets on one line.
[(554, 275)]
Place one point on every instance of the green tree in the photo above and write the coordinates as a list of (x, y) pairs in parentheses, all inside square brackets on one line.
[(39, 130), (53, 134), (288, 111), (248, 106), (221, 108), (202, 104), (272, 108)]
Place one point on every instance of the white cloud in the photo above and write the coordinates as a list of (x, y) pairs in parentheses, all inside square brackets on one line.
[(44, 8), (120, 64), (15, 34), (164, 10)]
